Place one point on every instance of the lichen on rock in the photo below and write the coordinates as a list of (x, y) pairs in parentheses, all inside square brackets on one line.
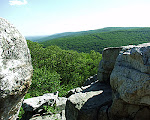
[(15, 70)]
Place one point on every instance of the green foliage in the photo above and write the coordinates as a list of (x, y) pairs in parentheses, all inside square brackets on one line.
[(52, 109), (98, 40), (27, 96), (73, 34), (44, 82), (59, 70), (21, 112), (56, 69)]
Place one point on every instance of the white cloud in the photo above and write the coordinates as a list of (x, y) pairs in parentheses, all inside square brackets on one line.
[(16, 2)]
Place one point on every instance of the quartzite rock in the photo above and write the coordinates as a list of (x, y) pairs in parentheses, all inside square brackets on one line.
[(130, 77), (130, 81), (34, 107), (34, 103), (85, 106), (51, 117), (60, 104), (107, 63), (128, 69), (15, 70)]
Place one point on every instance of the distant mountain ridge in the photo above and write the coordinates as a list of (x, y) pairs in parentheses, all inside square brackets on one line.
[(35, 38), (97, 40), (71, 34)]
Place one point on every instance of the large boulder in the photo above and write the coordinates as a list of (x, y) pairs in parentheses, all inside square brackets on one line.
[(15, 70), (36, 103), (107, 63), (130, 81), (127, 70), (91, 84), (50, 117), (35, 107), (86, 104), (131, 75)]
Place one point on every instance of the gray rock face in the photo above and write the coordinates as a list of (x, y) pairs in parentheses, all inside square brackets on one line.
[(127, 70), (86, 105), (130, 81), (32, 104), (131, 75), (34, 107), (51, 117), (91, 84), (60, 104), (15, 70), (107, 63)]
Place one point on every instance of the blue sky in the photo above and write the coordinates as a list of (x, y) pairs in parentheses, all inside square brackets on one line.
[(45, 17)]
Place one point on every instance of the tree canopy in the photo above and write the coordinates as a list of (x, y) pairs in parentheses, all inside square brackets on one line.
[(97, 41), (59, 70)]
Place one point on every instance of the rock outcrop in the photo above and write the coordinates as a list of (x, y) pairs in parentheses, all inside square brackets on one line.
[(86, 103), (107, 63), (130, 82), (121, 92), (15, 70), (35, 103), (35, 107), (127, 70), (85, 106), (131, 75)]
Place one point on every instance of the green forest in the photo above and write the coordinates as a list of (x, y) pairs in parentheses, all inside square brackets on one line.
[(97, 41), (66, 62), (59, 70)]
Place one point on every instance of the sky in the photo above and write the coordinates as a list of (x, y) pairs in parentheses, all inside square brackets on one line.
[(46, 17)]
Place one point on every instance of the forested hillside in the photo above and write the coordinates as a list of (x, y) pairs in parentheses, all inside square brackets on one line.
[(99, 40), (36, 38), (65, 63), (59, 70), (73, 34)]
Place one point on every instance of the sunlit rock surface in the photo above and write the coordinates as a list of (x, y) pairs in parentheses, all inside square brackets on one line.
[(130, 82), (127, 70), (131, 75), (15, 70)]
